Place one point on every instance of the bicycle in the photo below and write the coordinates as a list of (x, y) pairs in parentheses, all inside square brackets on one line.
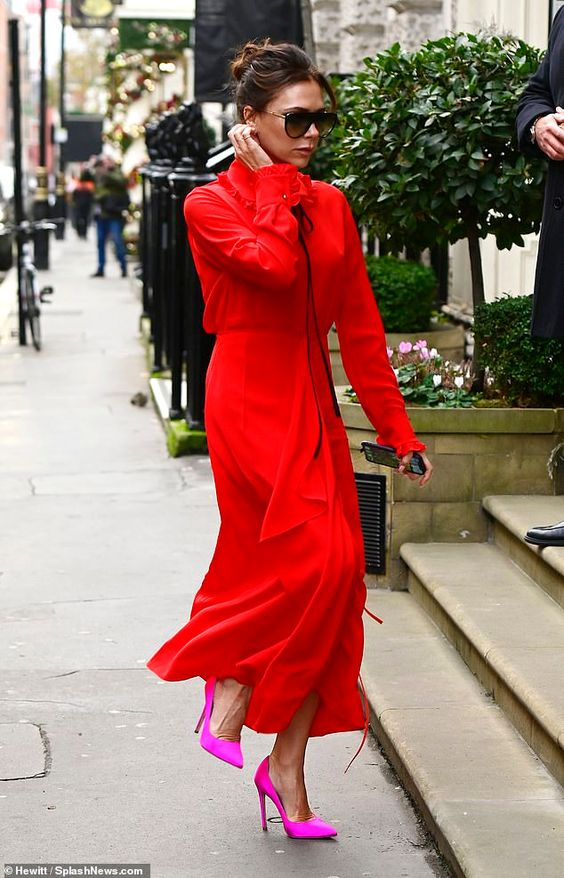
[(30, 297)]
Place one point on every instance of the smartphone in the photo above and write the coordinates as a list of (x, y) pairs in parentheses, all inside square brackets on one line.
[(385, 455)]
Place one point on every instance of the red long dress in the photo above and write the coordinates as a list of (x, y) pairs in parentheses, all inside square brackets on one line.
[(280, 608)]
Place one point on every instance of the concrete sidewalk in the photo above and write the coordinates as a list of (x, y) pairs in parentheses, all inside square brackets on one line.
[(103, 541)]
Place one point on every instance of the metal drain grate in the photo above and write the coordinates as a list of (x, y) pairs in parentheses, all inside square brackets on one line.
[(371, 490)]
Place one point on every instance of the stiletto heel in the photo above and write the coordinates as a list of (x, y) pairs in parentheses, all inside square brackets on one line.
[(262, 803), (228, 751), (312, 828), (200, 721)]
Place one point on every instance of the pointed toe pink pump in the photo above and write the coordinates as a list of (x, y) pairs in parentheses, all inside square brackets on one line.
[(228, 751), (312, 828)]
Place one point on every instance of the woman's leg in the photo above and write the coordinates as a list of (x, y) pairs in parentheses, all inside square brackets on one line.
[(286, 763), (230, 702)]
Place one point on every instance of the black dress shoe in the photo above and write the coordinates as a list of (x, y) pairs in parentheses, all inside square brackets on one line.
[(551, 535), (98, 273)]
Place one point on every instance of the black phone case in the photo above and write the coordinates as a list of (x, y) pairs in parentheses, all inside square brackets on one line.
[(385, 455)]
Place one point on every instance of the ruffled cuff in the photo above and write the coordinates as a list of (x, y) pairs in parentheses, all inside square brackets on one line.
[(410, 445), (280, 184)]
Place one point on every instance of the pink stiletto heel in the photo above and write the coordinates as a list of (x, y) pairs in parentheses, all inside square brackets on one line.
[(228, 751), (262, 803), (312, 828)]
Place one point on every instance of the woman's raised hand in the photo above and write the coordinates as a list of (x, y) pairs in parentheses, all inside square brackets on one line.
[(247, 147)]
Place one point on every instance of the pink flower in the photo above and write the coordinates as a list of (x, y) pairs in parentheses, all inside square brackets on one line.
[(419, 345), (390, 353), (423, 353), (405, 347)]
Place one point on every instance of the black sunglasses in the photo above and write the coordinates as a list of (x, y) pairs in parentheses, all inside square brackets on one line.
[(296, 123)]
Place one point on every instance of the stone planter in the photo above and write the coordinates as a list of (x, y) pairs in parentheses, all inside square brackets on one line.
[(447, 338), (475, 452)]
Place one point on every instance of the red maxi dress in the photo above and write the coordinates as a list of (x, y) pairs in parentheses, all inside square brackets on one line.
[(280, 608)]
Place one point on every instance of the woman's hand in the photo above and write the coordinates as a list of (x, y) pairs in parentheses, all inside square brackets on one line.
[(406, 460), (247, 147)]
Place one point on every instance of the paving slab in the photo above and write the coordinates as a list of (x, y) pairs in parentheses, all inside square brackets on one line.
[(22, 751), (103, 542)]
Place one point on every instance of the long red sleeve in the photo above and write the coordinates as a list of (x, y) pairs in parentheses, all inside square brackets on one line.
[(363, 349)]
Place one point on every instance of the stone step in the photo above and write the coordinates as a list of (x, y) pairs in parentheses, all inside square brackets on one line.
[(494, 809), (507, 630), (512, 516)]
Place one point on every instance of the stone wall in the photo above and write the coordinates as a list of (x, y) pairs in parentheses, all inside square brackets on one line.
[(346, 31), (412, 22), (362, 32), (326, 32)]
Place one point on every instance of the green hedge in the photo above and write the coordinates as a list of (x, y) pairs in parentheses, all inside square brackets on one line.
[(404, 291), (525, 370)]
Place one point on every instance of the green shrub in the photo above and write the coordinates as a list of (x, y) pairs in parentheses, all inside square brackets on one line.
[(524, 370), (404, 291)]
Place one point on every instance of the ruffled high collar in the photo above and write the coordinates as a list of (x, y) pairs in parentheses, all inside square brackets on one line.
[(241, 182)]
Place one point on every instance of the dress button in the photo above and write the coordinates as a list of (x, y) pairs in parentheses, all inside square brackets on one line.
[(557, 203)]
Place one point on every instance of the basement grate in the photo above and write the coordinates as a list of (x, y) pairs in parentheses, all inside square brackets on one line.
[(371, 490)]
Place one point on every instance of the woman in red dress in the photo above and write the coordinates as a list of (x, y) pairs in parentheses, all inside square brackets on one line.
[(276, 627)]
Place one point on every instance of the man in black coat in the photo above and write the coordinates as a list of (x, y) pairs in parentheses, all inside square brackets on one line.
[(539, 117)]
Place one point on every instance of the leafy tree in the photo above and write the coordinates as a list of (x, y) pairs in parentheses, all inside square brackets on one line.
[(429, 154)]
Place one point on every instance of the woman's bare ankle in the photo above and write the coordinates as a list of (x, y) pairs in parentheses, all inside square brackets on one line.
[(230, 703), (287, 765), (288, 778)]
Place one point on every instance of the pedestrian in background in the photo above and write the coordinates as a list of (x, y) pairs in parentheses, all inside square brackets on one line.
[(111, 200), (276, 628), (540, 121), (82, 200)]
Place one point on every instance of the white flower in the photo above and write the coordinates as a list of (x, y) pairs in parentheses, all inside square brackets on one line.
[(459, 380), (437, 380), (433, 352)]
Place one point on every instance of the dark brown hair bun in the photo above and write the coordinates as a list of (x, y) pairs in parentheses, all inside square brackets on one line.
[(245, 57), (261, 68)]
